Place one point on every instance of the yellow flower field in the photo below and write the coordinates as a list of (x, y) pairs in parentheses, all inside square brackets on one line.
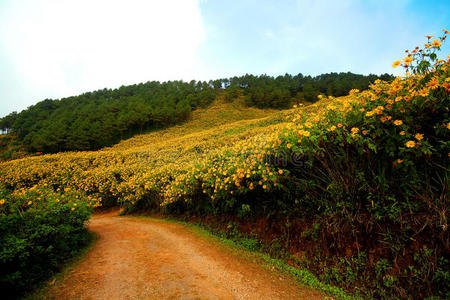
[(377, 158)]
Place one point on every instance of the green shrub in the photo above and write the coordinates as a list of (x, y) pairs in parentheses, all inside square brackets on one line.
[(39, 230)]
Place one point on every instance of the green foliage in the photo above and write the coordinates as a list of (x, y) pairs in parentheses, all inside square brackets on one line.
[(39, 230), (101, 118), (97, 119), (309, 279), (283, 91)]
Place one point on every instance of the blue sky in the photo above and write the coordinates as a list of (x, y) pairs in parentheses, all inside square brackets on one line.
[(59, 48)]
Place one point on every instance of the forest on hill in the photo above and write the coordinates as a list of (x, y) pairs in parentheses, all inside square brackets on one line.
[(101, 118)]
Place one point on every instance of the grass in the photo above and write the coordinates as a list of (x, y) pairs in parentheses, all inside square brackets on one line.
[(249, 249), (41, 292)]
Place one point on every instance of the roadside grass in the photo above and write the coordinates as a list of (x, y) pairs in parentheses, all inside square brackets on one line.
[(42, 291), (250, 249)]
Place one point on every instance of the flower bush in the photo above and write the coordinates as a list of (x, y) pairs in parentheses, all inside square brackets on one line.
[(372, 171), (39, 230)]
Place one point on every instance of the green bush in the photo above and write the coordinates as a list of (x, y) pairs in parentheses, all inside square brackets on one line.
[(39, 230)]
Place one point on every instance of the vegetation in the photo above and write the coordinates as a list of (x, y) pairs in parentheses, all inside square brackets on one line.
[(355, 188), (94, 120), (39, 230), (102, 118), (371, 175)]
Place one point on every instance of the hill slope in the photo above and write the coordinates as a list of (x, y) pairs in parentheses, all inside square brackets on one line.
[(353, 188), (208, 129), (125, 172), (101, 118)]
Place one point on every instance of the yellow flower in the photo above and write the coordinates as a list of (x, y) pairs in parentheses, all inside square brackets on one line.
[(419, 136), (289, 146), (339, 125), (402, 132), (433, 83), (424, 92), (30, 202), (448, 125), (396, 64), (398, 122), (355, 130), (308, 124), (364, 132), (410, 144), (2, 201), (446, 85), (306, 133), (332, 128), (399, 161), (280, 171), (437, 43), (73, 208), (369, 113), (396, 87), (408, 60)]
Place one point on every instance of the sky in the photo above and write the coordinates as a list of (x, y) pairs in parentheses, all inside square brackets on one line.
[(51, 49)]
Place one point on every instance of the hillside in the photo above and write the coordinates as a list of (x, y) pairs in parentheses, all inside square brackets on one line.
[(353, 189), (220, 125), (107, 172), (101, 118), (205, 123)]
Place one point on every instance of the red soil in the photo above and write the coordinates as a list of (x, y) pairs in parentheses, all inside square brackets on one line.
[(137, 258)]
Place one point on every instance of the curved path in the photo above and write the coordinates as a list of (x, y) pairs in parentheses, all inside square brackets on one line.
[(141, 258)]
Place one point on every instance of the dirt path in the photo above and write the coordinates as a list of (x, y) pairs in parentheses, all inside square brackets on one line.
[(149, 259)]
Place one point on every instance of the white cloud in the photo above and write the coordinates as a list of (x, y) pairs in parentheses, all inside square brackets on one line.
[(61, 48)]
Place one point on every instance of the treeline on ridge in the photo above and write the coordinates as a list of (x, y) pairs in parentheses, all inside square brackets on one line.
[(101, 118)]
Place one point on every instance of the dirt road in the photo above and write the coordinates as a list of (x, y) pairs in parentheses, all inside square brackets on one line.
[(137, 258)]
